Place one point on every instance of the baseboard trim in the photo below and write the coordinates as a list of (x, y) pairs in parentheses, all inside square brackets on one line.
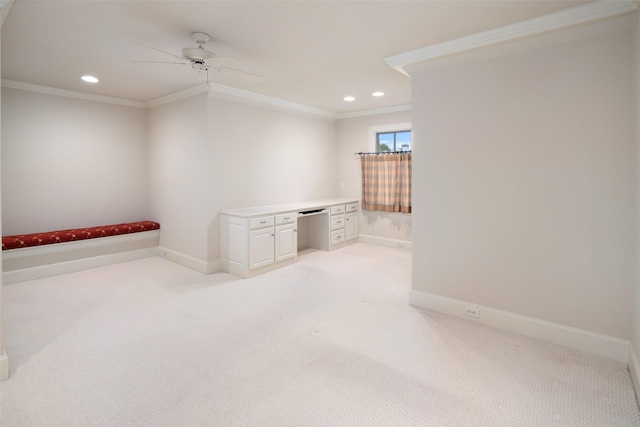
[(384, 241), (214, 266), (56, 269), (577, 339), (634, 366), (4, 367), (185, 260)]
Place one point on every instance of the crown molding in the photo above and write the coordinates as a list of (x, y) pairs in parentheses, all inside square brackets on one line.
[(589, 12), (216, 88), (70, 93), (387, 110), (196, 90)]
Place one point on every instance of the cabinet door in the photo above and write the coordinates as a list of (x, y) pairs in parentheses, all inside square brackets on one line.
[(286, 242), (352, 226), (260, 248)]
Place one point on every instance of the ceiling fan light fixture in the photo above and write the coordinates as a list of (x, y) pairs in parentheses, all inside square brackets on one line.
[(90, 79), (192, 53)]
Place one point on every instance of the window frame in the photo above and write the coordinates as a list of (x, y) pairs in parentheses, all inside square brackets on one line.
[(394, 149), (390, 128)]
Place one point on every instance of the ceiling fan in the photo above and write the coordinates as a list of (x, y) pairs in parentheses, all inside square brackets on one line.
[(204, 61)]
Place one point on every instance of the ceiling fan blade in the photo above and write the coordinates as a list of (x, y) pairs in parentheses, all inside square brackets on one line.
[(224, 61), (237, 73), (168, 53), (162, 62)]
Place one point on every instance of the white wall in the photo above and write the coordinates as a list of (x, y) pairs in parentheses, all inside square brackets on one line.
[(263, 156), (178, 174), (524, 177), (70, 163), (88, 163), (353, 137), (636, 296)]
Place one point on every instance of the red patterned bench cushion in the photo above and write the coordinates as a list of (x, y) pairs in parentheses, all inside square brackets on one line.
[(39, 239)]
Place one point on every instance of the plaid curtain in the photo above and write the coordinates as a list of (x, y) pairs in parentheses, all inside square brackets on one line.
[(386, 182)]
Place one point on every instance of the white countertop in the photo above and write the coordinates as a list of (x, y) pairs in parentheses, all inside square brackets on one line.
[(286, 207)]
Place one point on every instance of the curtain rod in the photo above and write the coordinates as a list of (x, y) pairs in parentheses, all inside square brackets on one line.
[(381, 153)]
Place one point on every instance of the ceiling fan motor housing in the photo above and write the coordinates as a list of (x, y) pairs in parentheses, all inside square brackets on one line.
[(198, 53)]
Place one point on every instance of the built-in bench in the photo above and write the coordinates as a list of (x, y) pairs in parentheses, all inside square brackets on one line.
[(33, 256)]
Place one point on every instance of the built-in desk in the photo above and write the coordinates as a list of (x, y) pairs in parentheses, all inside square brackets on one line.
[(261, 238)]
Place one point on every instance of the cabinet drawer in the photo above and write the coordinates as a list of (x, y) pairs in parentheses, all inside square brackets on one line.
[(286, 218), (337, 221), (352, 207), (265, 221), (335, 210), (337, 237)]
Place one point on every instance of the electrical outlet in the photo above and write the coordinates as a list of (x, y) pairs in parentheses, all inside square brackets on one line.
[(472, 311), (342, 185)]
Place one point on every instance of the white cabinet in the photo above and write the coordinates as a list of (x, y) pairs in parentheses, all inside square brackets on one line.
[(286, 245), (336, 210), (256, 240), (254, 245), (351, 229), (337, 221), (260, 248), (343, 224), (337, 225)]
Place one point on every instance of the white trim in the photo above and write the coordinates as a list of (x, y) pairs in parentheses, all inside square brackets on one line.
[(634, 366), (577, 339), (215, 88), (384, 241), (186, 260), (583, 14), (15, 276), (212, 88), (214, 266), (71, 94), (187, 93), (4, 367), (387, 110)]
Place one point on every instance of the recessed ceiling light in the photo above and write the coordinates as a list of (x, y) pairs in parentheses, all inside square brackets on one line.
[(378, 94), (349, 98), (90, 79)]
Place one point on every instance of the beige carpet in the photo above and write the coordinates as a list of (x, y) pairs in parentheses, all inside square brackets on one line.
[(328, 341)]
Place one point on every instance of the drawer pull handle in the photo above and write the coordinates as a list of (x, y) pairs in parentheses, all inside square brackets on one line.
[(286, 218), (263, 222)]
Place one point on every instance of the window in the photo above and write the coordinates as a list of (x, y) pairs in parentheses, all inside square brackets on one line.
[(393, 141), (386, 178)]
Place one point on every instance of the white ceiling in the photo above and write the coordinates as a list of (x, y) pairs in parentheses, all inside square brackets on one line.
[(309, 52)]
